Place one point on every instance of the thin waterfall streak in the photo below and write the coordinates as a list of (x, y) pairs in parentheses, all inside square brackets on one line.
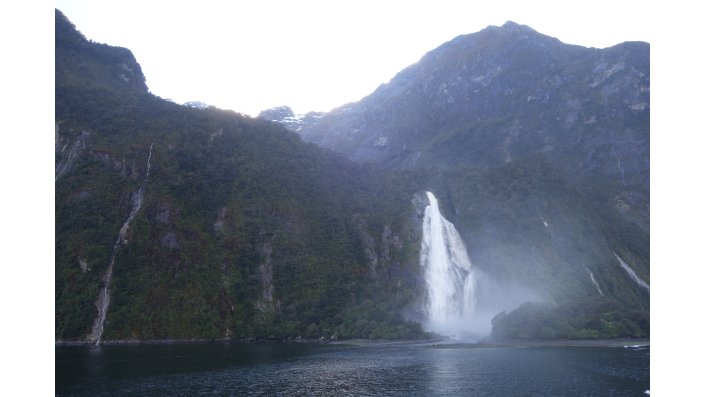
[(619, 164), (103, 301), (632, 274), (594, 282), (149, 161)]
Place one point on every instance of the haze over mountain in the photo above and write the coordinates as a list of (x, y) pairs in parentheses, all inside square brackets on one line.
[(190, 222), (488, 112), (507, 94)]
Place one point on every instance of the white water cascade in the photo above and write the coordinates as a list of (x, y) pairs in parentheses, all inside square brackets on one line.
[(450, 279), (594, 282), (103, 300), (632, 273)]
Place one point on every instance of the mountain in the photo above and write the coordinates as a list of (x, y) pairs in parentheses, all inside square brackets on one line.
[(196, 105), (500, 95), (538, 149), (285, 116), (180, 222), (508, 94)]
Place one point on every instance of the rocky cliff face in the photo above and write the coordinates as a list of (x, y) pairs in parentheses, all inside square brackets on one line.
[(534, 149), (68, 147), (538, 149), (500, 95), (285, 116), (201, 223), (508, 94)]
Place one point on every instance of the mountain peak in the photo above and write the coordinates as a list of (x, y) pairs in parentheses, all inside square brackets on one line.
[(66, 33), (285, 116), (459, 94), (277, 113), (84, 62), (512, 27)]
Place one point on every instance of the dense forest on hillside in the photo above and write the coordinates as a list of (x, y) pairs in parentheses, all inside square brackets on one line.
[(539, 152), (245, 231)]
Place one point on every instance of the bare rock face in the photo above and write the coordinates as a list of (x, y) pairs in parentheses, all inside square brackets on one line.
[(420, 202), (379, 253), (389, 242), (164, 215), (219, 223), (58, 142), (69, 146), (267, 304), (509, 94), (234, 206), (115, 163), (285, 116), (83, 263), (390, 246), (277, 113), (368, 244), (170, 240), (502, 94)]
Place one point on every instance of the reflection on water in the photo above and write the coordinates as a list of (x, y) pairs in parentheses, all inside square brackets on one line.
[(401, 369)]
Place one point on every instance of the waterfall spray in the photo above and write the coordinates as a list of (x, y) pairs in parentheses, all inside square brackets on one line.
[(450, 279)]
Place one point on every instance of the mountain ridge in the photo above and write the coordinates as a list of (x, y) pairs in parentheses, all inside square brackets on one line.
[(244, 231), (501, 109), (203, 223)]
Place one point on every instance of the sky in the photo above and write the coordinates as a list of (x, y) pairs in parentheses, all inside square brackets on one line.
[(317, 55), (272, 54)]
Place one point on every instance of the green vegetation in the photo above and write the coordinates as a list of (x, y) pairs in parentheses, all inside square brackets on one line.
[(245, 231), (500, 212), (234, 207), (538, 152), (591, 319)]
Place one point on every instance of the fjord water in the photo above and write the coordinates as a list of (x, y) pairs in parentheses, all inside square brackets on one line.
[(370, 368)]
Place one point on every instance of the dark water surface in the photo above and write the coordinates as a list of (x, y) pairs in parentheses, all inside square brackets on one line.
[(399, 369)]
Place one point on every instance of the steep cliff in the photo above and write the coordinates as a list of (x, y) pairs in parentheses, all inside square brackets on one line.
[(539, 151), (177, 222)]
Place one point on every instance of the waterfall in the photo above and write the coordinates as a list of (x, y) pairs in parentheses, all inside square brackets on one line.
[(450, 279), (594, 282), (103, 300), (632, 274)]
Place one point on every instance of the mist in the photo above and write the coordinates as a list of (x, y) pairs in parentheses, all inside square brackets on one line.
[(461, 300)]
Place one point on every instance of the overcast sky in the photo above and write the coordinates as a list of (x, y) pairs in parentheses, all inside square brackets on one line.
[(316, 55), (170, 40)]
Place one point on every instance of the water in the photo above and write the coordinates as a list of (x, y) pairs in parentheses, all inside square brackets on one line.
[(632, 274), (450, 280), (396, 369), (103, 301)]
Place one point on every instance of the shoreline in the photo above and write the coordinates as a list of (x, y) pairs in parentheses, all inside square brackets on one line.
[(527, 343), (439, 343), (136, 342), (432, 343)]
